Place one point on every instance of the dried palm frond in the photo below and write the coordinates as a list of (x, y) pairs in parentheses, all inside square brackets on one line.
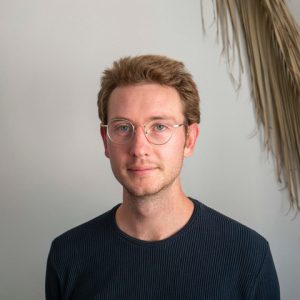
[(272, 42)]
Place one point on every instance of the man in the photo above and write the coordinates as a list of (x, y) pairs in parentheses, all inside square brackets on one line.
[(157, 244)]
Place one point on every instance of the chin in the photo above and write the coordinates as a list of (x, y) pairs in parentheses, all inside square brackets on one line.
[(138, 193), (146, 192)]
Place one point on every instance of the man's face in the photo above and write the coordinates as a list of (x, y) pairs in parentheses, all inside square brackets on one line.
[(144, 169)]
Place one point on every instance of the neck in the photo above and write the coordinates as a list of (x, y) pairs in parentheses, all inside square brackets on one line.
[(154, 217)]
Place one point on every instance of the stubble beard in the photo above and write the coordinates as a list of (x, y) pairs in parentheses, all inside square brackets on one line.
[(155, 192), (160, 187)]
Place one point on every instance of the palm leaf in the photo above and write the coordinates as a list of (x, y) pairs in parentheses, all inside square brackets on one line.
[(272, 42)]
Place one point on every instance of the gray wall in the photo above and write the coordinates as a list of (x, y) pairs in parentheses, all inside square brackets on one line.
[(53, 173)]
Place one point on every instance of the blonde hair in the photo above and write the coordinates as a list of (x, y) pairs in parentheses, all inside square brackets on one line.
[(150, 69)]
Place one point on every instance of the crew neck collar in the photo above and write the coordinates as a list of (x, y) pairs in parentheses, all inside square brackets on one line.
[(121, 234)]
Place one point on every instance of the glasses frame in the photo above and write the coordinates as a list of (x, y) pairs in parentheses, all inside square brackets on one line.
[(144, 131)]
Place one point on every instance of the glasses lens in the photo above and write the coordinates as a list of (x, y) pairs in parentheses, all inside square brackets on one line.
[(158, 133), (120, 131)]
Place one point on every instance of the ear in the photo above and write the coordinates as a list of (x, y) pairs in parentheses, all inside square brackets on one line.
[(104, 139), (191, 138)]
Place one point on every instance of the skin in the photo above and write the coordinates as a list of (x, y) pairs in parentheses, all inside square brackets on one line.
[(154, 206)]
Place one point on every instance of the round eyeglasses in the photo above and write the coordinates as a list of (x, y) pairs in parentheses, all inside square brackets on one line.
[(157, 132)]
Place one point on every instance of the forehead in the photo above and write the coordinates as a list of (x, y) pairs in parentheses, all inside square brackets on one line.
[(145, 101)]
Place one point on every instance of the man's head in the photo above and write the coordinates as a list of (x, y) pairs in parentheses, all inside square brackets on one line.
[(150, 69), (144, 102)]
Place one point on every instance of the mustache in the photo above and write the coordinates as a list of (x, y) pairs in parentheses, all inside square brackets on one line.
[(142, 164)]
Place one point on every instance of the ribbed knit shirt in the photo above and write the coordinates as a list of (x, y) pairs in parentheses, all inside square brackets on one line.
[(211, 257)]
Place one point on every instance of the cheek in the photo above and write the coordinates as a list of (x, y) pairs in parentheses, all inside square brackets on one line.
[(113, 152), (117, 155), (174, 153)]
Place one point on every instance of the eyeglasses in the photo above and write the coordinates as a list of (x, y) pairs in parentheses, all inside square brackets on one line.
[(157, 132)]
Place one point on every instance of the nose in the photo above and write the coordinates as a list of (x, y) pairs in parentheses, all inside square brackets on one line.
[(139, 145)]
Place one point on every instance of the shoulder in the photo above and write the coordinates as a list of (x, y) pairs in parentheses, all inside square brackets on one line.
[(89, 232), (230, 235), (238, 250)]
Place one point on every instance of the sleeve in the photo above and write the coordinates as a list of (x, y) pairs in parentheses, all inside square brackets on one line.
[(266, 286), (52, 284)]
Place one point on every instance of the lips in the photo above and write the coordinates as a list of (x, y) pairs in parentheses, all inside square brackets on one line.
[(141, 170)]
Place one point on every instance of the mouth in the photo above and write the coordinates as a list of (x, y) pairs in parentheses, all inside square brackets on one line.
[(141, 170)]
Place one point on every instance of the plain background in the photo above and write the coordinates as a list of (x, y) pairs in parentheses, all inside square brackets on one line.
[(53, 173)]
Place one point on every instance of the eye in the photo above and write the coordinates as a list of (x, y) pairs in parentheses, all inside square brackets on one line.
[(122, 128), (159, 127)]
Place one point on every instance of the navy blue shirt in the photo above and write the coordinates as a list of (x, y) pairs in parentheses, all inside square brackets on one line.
[(211, 257)]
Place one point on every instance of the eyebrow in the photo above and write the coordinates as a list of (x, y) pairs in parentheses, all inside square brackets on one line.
[(158, 117), (162, 117)]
